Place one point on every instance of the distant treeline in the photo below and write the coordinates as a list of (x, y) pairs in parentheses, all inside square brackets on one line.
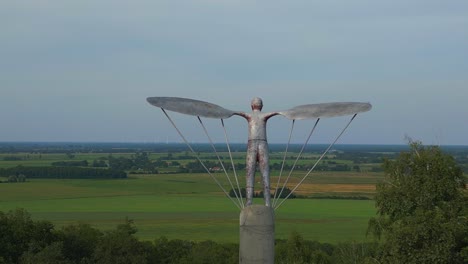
[(63, 172), (81, 147), (74, 163), (281, 193), (358, 154), (197, 167)]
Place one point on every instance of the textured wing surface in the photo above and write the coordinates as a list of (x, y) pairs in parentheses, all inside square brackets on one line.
[(325, 110), (190, 107)]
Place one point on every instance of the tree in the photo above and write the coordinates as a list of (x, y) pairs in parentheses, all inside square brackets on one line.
[(52, 253), (421, 208), (99, 163), (172, 251), (285, 192), (19, 233), (235, 193), (21, 178), (79, 242), (70, 155), (12, 178), (120, 246), (352, 252), (297, 250), (211, 252)]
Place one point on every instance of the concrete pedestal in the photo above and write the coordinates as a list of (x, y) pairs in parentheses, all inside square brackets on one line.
[(257, 235)]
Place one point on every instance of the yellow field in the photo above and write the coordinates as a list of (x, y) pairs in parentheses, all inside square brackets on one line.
[(308, 189)]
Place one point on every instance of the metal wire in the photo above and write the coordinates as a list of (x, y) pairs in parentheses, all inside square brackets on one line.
[(297, 159), (232, 162), (284, 161), (321, 157), (198, 158), (219, 159)]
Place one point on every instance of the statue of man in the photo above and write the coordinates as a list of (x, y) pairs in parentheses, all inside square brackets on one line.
[(257, 150), (257, 147)]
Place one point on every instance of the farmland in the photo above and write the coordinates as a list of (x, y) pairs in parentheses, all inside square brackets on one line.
[(190, 205), (177, 206)]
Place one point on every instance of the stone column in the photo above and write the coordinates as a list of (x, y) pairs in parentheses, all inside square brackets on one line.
[(257, 235)]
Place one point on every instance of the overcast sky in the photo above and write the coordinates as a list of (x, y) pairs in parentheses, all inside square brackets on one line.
[(81, 70)]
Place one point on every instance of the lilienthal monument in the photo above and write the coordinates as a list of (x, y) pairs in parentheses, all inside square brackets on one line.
[(257, 223)]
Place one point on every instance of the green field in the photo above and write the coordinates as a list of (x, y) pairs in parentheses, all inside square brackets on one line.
[(184, 206)]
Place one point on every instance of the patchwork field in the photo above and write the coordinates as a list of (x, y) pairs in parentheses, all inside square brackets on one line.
[(191, 206)]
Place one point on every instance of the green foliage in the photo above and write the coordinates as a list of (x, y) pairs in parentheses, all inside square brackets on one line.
[(19, 233), (421, 208), (211, 252), (79, 241), (139, 161), (77, 163), (16, 178), (50, 254), (297, 250), (283, 193), (352, 252), (11, 158), (120, 246), (63, 173), (21, 178), (172, 251), (423, 178), (235, 193), (12, 178), (99, 163)]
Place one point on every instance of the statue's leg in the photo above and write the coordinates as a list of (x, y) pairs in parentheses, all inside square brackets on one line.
[(250, 165), (263, 162)]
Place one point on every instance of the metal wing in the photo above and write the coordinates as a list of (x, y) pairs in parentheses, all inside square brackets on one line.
[(325, 110), (190, 107)]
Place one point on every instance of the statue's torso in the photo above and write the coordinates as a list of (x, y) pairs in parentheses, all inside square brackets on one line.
[(257, 126)]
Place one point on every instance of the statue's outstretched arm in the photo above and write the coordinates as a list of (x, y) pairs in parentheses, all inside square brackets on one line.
[(325, 110), (190, 107)]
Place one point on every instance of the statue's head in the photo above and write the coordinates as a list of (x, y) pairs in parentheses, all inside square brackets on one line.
[(256, 104)]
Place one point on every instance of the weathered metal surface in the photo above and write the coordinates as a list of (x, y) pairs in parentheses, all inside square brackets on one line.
[(257, 153), (325, 110), (190, 107), (257, 150)]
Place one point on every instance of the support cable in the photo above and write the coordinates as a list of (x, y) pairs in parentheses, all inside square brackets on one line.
[(198, 158), (232, 162), (284, 160), (219, 159), (297, 159), (321, 157)]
